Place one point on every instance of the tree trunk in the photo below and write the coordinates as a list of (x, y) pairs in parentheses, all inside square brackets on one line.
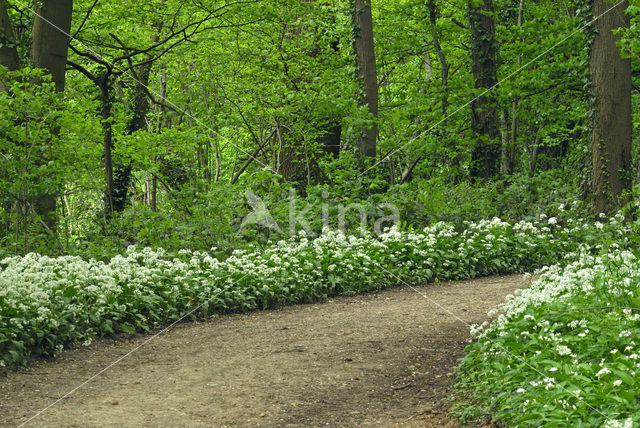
[(509, 150), (140, 107), (506, 166), (298, 155), (50, 40), (362, 22), (154, 194), (484, 117), (444, 66), (332, 133), (612, 126), (105, 110), (8, 52), (49, 48)]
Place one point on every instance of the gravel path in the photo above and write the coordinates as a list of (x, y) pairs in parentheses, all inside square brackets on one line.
[(382, 359)]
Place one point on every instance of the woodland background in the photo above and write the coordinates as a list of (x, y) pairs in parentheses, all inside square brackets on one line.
[(150, 123)]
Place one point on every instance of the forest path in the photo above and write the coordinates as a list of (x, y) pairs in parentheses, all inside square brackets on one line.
[(383, 359)]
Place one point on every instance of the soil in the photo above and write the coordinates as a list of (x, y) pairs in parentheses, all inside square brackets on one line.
[(384, 359)]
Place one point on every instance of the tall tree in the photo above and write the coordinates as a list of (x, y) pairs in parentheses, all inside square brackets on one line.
[(611, 137), (49, 48), (366, 69), (138, 121), (50, 38), (509, 137), (484, 114), (8, 52)]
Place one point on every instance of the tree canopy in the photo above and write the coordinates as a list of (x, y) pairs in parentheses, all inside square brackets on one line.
[(165, 113)]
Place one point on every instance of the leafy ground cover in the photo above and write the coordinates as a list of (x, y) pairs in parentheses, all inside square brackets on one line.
[(564, 352), (377, 359), (47, 303)]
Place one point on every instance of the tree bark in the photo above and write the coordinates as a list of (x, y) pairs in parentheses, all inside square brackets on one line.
[(50, 40), (105, 110), (332, 133), (509, 147), (362, 21), (140, 107), (444, 66), (8, 52), (612, 125), (484, 116), (49, 49)]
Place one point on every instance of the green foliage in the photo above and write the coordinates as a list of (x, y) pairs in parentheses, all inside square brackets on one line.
[(564, 349), (267, 81), (44, 142), (47, 303)]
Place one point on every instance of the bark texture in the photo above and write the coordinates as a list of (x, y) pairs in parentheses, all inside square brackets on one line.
[(50, 42), (366, 69), (8, 52), (612, 125), (484, 115), (49, 48), (140, 107)]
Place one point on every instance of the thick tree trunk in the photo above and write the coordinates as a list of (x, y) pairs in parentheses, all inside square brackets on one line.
[(49, 48), (332, 130), (50, 40), (332, 133), (8, 52), (138, 119), (611, 138), (298, 157), (362, 21), (484, 115)]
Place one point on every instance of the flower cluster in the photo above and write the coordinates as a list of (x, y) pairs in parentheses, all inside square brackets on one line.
[(48, 303), (565, 350)]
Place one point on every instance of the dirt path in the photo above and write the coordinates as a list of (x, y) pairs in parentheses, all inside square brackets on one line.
[(383, 359)]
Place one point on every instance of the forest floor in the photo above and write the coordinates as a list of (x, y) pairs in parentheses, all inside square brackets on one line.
[(384, 359)]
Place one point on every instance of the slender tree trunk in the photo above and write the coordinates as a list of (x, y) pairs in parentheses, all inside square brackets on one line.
[(362, 21), (504, 137), (203, 162), (154, 194), (123, 168), (146, 199), (612, 126), (509, 149), (216, 177), (533, 161), (444, 66), (49, 48), (105, 112), (484, 116)]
